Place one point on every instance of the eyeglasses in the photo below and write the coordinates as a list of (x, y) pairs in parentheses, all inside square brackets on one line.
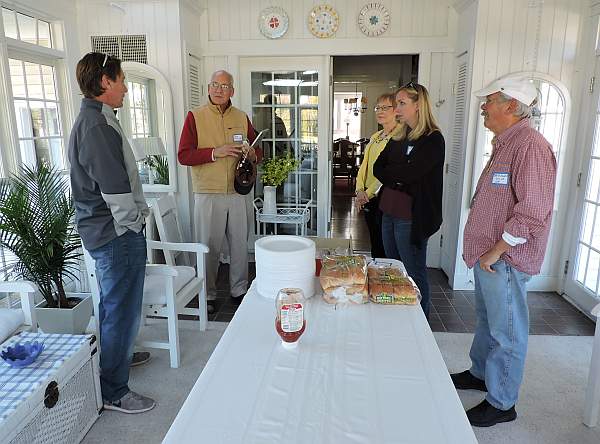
[(382, 108), (224, 86)]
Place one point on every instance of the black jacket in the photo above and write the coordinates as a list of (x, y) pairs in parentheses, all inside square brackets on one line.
[(420, 173)]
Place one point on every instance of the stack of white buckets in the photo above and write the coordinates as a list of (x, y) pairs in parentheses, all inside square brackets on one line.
[(284, 262)]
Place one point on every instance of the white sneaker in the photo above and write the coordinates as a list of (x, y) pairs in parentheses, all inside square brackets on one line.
[(131, 402)]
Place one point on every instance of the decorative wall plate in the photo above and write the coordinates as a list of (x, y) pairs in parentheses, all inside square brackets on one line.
[(373, 19), (323, 21), (273, 22)]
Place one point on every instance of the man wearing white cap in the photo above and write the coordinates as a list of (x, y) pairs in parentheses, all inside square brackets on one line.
[(504, 242)]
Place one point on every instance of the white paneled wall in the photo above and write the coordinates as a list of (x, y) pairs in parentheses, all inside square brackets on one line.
[(510, 40), (237, 20), (158, 20)]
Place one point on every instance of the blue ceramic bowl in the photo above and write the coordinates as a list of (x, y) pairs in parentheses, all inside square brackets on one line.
[(21, 355)]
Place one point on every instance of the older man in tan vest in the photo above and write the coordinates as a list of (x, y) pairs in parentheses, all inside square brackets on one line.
[(211, 142)]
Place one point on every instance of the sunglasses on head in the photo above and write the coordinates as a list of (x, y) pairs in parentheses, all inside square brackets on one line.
[(106, 57), (413, 85)]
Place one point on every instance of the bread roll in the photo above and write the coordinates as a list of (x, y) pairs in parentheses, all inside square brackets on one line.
[(382, 272), (393, 290), (356, 294), (343, 271)]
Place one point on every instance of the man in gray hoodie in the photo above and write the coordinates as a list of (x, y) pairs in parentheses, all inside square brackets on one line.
[(110, 212)]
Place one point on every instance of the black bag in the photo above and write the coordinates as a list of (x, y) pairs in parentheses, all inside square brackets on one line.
[(244, 175)]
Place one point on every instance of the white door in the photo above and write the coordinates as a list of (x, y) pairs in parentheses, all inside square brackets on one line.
[(583, 276), (454, 169), (290, 96), (330, 147)]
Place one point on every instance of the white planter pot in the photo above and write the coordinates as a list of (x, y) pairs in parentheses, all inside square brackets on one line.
[(66, 320), (270, 201)]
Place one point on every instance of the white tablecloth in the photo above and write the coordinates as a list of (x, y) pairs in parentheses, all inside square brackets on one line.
[(368, 374)]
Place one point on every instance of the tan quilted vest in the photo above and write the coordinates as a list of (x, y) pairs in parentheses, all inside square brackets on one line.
[(215, 129)]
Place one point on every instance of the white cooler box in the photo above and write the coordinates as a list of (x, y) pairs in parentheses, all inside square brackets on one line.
[(57, 398)]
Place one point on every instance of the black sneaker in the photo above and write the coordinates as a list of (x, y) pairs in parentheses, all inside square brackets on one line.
[(486, 415), (466, 381)]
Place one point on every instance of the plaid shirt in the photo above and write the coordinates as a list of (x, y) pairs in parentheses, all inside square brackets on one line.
[(515, 194)]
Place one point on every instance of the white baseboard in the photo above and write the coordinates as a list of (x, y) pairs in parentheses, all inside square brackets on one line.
[(544, 283), (464, 281)]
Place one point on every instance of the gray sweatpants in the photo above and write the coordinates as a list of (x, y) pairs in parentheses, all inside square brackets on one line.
[(217, 216)]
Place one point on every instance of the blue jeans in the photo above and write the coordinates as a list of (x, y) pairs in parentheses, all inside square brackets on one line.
[(120, 269), (500, 343), (396, 241)]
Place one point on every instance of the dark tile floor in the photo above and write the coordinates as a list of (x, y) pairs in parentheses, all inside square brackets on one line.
[(451, 310), (346, 221), (224, 306), (549, 313)]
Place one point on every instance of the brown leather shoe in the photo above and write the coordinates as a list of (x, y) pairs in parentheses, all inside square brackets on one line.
[(139, 358)]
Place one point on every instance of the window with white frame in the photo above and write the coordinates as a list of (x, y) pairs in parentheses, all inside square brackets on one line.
[(37, 113), (33, 109), (139, 109), (27, 29), (138, 119), (37, 126), (345, 123)]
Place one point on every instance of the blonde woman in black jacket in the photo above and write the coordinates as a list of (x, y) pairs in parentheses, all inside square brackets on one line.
[(411, 171)]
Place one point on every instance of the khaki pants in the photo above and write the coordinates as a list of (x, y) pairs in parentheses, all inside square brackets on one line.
[(217, 216)]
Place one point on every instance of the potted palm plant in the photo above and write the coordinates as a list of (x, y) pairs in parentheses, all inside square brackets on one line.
[(36, 225), (274, 172), (160, 168)]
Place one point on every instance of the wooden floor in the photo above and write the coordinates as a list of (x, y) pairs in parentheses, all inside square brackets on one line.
[(346, 221)]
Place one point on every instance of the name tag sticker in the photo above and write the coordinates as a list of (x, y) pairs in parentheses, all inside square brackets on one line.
[(238, 138), (500, 179)]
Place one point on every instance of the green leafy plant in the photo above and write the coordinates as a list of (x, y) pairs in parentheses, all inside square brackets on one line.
[(160, 165), (276, 170), (36, 225)]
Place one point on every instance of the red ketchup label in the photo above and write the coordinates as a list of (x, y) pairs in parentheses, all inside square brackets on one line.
[(291, 323)]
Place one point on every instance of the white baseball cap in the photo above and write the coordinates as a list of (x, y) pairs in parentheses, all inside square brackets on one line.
[(521, 89)]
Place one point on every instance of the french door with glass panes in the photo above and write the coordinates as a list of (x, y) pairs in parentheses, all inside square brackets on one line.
[(583, 272), (287, 96)]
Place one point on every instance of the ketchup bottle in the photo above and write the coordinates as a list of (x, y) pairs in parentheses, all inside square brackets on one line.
[(289, 316)]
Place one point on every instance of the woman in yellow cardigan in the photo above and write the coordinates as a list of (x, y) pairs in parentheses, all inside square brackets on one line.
[(367, 185)]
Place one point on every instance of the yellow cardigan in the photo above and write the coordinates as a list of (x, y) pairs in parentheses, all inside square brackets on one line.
[(365, 181)]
